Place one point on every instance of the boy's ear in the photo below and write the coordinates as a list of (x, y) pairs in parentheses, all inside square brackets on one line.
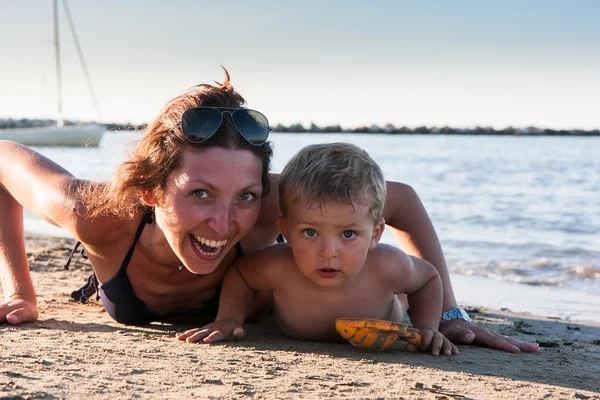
[(377, 232), (282, 225)]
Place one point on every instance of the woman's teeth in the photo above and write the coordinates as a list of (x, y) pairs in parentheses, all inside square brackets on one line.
[(211, 243), (208, 247)]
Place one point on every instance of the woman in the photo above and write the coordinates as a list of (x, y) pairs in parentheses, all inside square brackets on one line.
[(193, 196)]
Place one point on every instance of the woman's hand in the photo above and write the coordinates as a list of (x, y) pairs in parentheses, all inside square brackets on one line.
[(225, 329), (463, 332), (435, 342), (17, 309)]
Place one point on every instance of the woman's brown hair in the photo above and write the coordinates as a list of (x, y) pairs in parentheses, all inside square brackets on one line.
[(158, 154)]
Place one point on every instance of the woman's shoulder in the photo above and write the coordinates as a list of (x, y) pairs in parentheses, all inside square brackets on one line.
[(269, 207), (102, 230), (265, 230), (91, 221)]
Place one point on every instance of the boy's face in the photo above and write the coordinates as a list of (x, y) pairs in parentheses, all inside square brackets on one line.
[(330, 243)]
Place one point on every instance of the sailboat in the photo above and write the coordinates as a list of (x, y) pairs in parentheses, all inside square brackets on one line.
[(61, 134)]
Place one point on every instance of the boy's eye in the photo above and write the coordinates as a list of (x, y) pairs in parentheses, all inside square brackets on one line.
[(349, 234), (248, 197), (309, 232)]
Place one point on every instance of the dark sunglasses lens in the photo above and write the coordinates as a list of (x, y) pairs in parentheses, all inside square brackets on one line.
[(200, 123), (252, 125)]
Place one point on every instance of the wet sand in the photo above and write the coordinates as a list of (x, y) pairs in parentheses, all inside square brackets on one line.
[(77, 351)]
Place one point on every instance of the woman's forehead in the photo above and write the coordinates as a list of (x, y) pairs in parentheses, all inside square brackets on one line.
[(215, 164)]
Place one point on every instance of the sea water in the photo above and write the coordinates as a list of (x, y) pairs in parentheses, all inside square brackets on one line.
[(518, 217)]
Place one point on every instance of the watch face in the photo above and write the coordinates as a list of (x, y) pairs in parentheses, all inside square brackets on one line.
[(464, 315), (455, 313)]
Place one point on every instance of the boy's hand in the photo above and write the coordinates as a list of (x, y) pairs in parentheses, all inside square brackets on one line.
[(225, 329), (436, 342), (17, 309)]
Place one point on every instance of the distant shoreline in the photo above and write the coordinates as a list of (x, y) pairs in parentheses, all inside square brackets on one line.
[(313, 128)]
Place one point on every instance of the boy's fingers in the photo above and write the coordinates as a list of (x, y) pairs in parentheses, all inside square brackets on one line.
[(427, 335), (453, 349), (411, 348), (437, 343), (448, 348)]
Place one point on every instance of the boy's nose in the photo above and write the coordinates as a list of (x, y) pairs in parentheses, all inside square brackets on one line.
[(328, 249)]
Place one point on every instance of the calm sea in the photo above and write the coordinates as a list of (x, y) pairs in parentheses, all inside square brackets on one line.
[(521, 214)]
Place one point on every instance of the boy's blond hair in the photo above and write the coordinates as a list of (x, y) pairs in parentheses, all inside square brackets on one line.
[(338, 172)]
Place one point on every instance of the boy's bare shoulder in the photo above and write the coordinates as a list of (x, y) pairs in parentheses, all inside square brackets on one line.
[(383, 251), (274, 255), (279, 250), (388, 259)]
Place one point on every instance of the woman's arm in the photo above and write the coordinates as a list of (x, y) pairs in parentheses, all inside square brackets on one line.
[(19, 304), (409, 222), (38, 184), (405, 214), (28, 180)]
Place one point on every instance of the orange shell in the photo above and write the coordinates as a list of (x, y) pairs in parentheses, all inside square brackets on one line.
[(375, 334)]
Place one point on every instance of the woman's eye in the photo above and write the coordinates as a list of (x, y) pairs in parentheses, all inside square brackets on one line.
[(248, 197), (309, 232), (349, 234), (200, 193)]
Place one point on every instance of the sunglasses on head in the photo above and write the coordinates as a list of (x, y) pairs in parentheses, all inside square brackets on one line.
[(200, 123)]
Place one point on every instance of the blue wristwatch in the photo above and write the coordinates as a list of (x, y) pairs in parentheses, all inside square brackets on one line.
[(455, 313)]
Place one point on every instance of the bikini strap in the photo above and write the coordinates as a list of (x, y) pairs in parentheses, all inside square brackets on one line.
[(147, 220), (239, 250), (84, 293), (70, 258)]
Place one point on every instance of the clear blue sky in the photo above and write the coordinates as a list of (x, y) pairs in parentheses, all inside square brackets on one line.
[(459, 63)]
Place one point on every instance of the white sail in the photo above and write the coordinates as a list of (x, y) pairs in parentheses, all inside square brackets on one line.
[(59, 135)]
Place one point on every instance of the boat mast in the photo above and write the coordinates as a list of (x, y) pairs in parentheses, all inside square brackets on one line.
[(59, 121)]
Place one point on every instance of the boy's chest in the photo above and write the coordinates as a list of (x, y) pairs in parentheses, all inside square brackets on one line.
[(310, 315)]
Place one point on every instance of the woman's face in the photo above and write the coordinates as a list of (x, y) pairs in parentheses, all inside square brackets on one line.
[(208, 204)]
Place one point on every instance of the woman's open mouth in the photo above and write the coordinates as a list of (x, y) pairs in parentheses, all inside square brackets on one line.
[(207, 248)]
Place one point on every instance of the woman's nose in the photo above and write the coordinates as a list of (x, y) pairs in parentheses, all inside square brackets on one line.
[(222, 219)]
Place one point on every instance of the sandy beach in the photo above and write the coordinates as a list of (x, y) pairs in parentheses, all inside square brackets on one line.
[(76, 351)]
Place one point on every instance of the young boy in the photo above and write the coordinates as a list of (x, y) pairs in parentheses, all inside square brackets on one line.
[(331, 197)]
